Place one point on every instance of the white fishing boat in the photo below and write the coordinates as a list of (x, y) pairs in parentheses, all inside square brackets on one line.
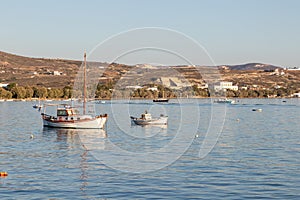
[(224, 100), (69, 117), (146, 119)]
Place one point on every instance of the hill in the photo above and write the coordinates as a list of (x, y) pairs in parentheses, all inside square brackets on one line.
[(250, 66), (58, 73)]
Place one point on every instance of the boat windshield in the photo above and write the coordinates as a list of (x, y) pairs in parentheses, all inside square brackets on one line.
[(62, 113)]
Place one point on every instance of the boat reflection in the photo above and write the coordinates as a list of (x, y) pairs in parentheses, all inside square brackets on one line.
[(86, 137), (73, 140), (146, 131)]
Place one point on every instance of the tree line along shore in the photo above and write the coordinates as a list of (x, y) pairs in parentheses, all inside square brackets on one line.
[(107, 91)]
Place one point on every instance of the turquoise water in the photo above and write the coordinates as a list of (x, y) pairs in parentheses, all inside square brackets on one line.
[(256, 156)]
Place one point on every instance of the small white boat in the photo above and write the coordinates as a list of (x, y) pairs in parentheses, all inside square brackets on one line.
[(146, 119), (257, 109), (224, 100), (100, 102)]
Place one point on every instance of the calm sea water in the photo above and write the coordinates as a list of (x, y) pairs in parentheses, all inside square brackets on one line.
[(255, 156)]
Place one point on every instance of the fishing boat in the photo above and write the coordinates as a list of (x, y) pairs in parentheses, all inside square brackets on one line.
[(69, 117), (146, 119), (224, 100)]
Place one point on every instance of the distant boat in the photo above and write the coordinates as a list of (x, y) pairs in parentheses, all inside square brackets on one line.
[(146, 119), (224, 100), (163, 99), (38, 106), (69, 117), (100, 102), (160, 100), (257, 109)]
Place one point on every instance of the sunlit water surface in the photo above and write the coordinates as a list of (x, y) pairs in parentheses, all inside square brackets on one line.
[(257, 154)]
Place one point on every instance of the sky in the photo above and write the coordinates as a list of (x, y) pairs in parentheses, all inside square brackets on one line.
[(229, 31)]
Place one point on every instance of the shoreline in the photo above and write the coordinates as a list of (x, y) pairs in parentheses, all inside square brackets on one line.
[(67, 100)]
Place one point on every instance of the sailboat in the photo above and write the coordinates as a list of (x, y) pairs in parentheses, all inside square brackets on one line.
[(38, 106), (69, 117), (161, 99)]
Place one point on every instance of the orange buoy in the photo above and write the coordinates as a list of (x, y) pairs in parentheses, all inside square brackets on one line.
[(3, 174)]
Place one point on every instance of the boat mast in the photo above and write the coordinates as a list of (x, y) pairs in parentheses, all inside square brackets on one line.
[(84, 84)]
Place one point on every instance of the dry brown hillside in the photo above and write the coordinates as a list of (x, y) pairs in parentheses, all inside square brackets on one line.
[(58, 73)]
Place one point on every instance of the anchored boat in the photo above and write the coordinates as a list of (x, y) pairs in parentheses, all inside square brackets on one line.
[(225, 100), (146, 119), (69, 117)]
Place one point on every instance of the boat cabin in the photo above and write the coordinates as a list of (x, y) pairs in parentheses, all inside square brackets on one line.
[(63, 112)]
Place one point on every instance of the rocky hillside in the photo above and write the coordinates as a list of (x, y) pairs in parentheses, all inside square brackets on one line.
[(58, 73)]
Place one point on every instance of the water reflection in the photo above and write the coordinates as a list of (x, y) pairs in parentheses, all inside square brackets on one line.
[(93, 139), (147, 131), (79, 142), (72, 136)]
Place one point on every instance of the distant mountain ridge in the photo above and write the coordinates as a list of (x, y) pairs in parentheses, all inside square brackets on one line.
[(250, 66)]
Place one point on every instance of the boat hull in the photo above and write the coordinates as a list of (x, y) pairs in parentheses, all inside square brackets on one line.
[(160, 100), (228, 101), (93, 123)]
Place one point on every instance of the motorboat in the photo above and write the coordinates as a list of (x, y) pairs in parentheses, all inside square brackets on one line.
[(224, 100), (146, 119)]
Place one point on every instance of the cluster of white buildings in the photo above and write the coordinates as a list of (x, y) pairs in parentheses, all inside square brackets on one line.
[(225, 85)]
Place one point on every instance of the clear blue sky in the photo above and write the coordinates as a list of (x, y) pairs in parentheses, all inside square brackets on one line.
[(232, 31)]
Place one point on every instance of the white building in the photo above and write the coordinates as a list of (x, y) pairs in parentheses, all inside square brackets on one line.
[(56, 73), (153, 88), (293, 69), (3, 85), (135, 87), (224, 85), (296, 94)]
